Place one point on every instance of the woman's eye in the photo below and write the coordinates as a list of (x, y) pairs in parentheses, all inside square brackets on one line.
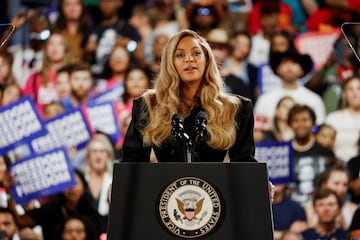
[(179, 55), (197, 53)]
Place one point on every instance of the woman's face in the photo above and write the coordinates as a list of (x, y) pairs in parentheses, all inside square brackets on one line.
[(75, 193), (72, 9), (55, 48), (119, 60), (190, 61), (136, 82), (338, 181), (98, 156), (74, 229), (352, 94)]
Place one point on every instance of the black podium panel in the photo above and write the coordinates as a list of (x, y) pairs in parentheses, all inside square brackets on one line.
[(140, 189)]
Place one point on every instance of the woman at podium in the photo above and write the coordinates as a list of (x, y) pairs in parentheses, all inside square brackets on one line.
[(188, 117)]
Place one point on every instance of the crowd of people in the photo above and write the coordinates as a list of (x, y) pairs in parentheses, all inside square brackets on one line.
[(94, 47)]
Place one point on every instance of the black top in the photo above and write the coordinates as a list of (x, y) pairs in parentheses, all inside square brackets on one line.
[(172, 151)]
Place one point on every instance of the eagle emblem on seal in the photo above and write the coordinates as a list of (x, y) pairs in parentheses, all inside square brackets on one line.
[(189, 204)]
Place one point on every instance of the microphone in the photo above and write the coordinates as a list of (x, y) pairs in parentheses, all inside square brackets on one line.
[(177, 127), (181, 136), (201, 120)]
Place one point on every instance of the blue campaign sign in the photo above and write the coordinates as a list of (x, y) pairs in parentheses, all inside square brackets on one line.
[(110, 95), (278, 157), (68, 129), (41, 175), (19, 123), (103, 117)]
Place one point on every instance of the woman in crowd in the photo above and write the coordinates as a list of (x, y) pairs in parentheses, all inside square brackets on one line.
[(281, 130), (98, 168), (346, 120), (41, 85), (72, 24)]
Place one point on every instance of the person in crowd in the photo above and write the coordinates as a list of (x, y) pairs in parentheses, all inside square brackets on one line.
[(142, 19), (309, 157), (30, 58), (11, 93), (41, 85), (325, 135), (283, 10), (99, 159), (288, 215), (327, 206), (137, 81), (242, 75), (76, 200), (203, 17), (328, 80), (62, 83), (346, 120), (73, 24), (6, 61), (10, 230), (260, 42), (108, 33), (157, 47), (335, 178), (114, 73), (81, 83), (280, 41), (76, 228), (290, 67), (189, 82), (8, 224), (281, 130), (218, 40), (353, 165)]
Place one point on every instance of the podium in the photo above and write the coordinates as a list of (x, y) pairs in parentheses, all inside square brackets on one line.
[(211, 201)]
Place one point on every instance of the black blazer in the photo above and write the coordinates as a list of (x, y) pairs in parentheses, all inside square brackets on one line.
[(172, 151)]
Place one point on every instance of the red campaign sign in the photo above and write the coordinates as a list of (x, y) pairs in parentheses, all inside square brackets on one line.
[(318, 45)]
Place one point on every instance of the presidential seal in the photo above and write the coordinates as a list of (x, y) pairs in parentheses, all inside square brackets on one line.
[(189, 207)]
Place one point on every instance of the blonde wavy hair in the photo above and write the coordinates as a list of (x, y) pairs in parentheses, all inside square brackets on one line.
[(165, 99)]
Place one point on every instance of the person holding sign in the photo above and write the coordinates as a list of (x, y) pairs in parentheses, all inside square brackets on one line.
[(73, 201)]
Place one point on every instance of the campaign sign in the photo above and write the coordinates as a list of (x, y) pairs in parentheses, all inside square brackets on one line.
[(68, 129), (110, 95), (19, 123), (318, 45), (41, 175), (278, 157), (102, 117)]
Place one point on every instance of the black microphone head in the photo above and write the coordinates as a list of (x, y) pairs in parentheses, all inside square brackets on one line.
[(201, 118), (202, 114), (177, 117)]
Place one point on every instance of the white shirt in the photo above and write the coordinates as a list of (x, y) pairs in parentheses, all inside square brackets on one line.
[(266, 103), (347, 126)]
